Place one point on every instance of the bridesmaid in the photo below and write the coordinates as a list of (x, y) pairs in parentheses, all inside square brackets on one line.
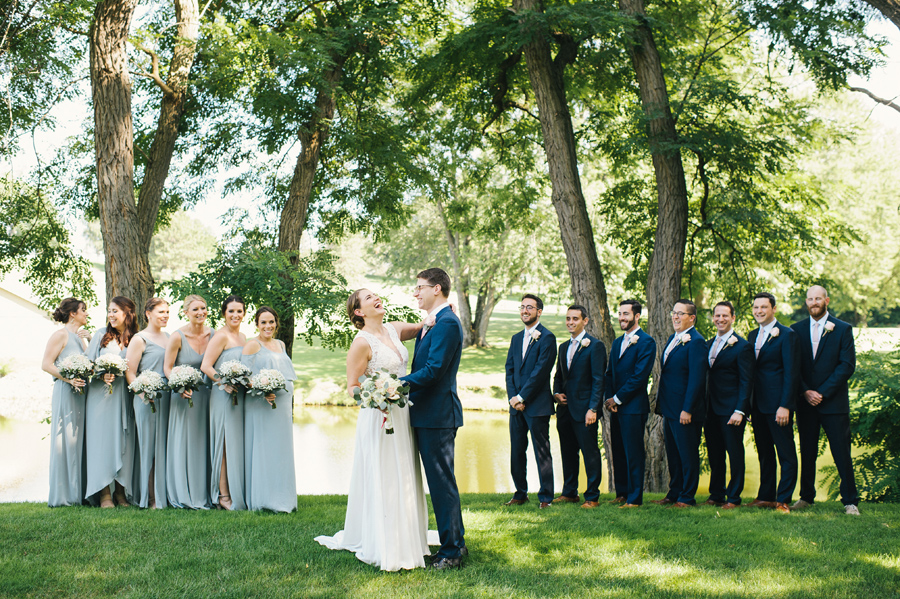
[(271, 483), (187, 451), (67, 475), (109, 424), (146, 352), (226, 421)]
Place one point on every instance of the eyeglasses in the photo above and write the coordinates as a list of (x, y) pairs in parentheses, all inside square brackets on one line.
[(679, 314), (418, 288), (524, 308)]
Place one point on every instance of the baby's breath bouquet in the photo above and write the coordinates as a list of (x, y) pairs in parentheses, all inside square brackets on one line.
[(109, 364), (382, 390), (76, 366), (151, 384), (267, 381), (185, 378), (236, 374)]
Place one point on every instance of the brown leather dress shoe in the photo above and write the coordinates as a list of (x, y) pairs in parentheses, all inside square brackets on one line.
[(619, 499), (629, 505), (590, 504), (713, 502), (730, 506), (681, 504), (564, 499), (758, 503), (545, 505), (783, 508), (515, 501), (663, 501)]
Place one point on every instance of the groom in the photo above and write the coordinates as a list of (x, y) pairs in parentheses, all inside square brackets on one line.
[(436, 413)]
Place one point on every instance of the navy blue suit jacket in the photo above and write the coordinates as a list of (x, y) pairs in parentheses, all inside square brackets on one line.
[(529, 378), (627, 376), (682, 379), (729, 386), (831, 369), (583, 381), (432, 380), (776, 378)]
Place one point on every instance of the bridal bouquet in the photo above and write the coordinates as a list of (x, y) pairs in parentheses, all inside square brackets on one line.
[(267, 381), (151, 384), (76, 366), (382, 390), (236, 374), (109, 364), (185, 378)]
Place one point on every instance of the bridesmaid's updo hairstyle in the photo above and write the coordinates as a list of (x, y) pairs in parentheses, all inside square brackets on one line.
[(262, 310), (67, 308), (190, 300), (353, 304), (151, 304), (233, 299), (130, 329)]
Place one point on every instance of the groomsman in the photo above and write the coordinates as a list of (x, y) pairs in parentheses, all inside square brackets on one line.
[(528, 365), (681, 400), (630, 363), (729, 389), (827, 361), (578, 388), (775, 383)]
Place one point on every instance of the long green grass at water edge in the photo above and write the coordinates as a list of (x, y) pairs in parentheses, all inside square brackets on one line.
[(521, 551)]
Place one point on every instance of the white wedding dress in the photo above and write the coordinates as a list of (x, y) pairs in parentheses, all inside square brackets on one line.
[(387, 519)]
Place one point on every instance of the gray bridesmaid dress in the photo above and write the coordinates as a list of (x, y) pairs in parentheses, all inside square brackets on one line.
[(67, 472), (187, 451), (152, 431), (270, 482), (109, 429), (226, 430)]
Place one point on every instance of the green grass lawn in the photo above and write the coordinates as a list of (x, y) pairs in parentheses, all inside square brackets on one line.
[(515, 552)]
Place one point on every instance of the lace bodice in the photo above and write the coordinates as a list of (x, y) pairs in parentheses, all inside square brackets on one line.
[(385, 357)]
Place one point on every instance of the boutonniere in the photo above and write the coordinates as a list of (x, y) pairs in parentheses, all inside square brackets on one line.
[(685, 338), (829, 326), (535, 335), (633, 340), (429, 321), (585, 342), (775, 332), (731, 341)]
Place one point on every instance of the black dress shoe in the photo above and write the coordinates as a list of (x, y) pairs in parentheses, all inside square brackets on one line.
[(447, 563), (464, 552)]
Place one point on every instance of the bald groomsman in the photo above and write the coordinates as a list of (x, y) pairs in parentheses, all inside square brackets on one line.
[(775, 384), (729, 387), (827, 361)]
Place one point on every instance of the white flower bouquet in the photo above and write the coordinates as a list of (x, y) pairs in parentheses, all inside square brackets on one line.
[(236, 374), (151, 384), (382, 390), (185, 378), (109, 364), (76, 366), (268, 380)]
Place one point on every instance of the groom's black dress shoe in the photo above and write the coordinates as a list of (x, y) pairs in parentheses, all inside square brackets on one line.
[(464, 552), (447, 563)]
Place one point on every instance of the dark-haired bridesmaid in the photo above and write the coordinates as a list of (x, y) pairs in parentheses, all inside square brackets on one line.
[(67, 475), (270, 480), (226, 420), (187, 452), (109, 424), (147, 351)]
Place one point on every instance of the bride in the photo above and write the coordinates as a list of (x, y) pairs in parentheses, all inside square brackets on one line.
[(387, 518)]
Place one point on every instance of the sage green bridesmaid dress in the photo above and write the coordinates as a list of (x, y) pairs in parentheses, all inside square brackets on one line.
[(67, 471), (226, 431), (152, 432)]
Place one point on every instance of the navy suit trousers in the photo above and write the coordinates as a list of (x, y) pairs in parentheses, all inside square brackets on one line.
[(628, 454), (770, 437), (574, 436), (436, 446), (722, 438), (539, 427), (837, 430), (683, 453)]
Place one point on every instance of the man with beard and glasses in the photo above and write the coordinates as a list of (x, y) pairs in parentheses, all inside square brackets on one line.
[(630, 362), (827, 361), (528, 365)]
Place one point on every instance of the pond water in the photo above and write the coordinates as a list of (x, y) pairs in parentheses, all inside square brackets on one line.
[(323, 451)]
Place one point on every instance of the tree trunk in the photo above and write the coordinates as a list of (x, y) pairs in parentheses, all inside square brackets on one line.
[(546, 77), (294, 214), (460, 280), (889, 8), (484, 308), (187, 20), (667, 260), (127, 267)]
